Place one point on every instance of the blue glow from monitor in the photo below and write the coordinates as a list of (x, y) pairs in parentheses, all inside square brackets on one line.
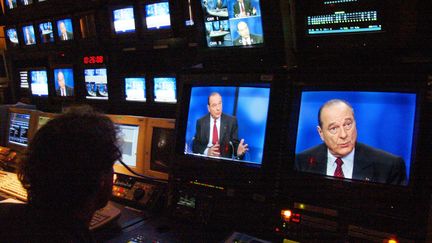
[(39, 82), (29, 35), (96, 83), (165, 89), (65, 29), (158, 16), (135, 89), (46, 32), (124, 20)]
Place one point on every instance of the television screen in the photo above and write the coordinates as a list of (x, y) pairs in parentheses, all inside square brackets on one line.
[(162, 148), (29, 35), (26, 2), (39, 82), (96, 83), (124, 20), (18, 128), (129, 143), (165, 89), (24, 84), (46, 32), (11, 4), (12, 37), (158, 16), (359, 135), (232, 22), (220, 121), (64, 81), (65, 29), (135, 89), (87, 26)]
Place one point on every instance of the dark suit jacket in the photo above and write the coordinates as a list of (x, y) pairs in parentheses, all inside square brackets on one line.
[(228, 132), (370, 164), (68, 34), (255, 39), (69, 91), (247, 5)]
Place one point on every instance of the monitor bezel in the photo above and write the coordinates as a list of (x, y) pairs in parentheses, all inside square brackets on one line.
[(115, 34), (57, 39), (52, 86), (151, 86), (39, 37), (8, 42), (156, 34), (101, 66), (147, 87), (36, 38), (32, 113), (29, 70)]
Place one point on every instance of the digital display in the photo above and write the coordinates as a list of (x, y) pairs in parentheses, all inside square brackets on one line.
[(370, 134), (18, 128), (26, 2), (11, 4), (64, 81), (162, 148), (232, 22), (129, 143), (39, 82), (135, 89), (24, 84), (124, 20), (158, 16), (12, 36), (165, 89), (29, 35), (96, 83), (65, 29), (46, 32), (220, 121)]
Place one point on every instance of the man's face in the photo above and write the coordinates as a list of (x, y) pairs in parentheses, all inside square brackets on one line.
[(215, 106), (60, 80), (243, 30), (338, 129), (62, 28)]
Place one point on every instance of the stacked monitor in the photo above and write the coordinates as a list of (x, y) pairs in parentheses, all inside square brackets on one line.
[(123, 20), (96, 81), (64, 82), (38, 82)]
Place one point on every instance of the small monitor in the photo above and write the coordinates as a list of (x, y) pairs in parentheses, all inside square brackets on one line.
[(38, 82), (135, 89), (24, 80), (12, 37), (46, 33), (64, 82), (19, 124), (26, 2), (160, 147), (342, 125), (124, 20), (96, 83), (10, 4), (131, 134), (65, 29), (165, 89), (233, 23), (87, 26), (157, 15), (40, 119), (29, 35)]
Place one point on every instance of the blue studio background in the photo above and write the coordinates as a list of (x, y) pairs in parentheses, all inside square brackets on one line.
[(68, 76), (384, 120), (68, 24), (252, 110)]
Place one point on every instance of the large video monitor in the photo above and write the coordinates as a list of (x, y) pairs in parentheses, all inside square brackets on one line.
[(19, 126), (64, 82), (157, 15), (165, 89), (46, 33), (29, 36), (65, 30), (132, 133), (135, 89), (123, 20), (38, 82), (12, 37), (159, 147), (96, 83), (233, 23)]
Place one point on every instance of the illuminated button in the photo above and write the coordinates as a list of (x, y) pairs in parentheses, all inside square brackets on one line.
[(286, 214)]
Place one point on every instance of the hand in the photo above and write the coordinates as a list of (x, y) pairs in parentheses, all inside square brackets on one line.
[(242, 148), (214, 150)]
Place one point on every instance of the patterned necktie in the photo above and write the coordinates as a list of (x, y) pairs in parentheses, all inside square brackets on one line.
[(338, 171), (215, 133)]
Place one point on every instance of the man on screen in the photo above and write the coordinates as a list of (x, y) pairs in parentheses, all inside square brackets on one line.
[(64, 34), (63, 89), (246, 38), (243, 8), (216, 133), (342, 156)]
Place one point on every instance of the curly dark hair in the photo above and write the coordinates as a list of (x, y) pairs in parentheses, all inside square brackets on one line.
[(67, 157)]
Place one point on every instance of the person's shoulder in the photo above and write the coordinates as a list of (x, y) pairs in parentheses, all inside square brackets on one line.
[(228, 117), (312, 150), (375, 152)]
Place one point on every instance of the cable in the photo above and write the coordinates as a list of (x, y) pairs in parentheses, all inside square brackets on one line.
[(140, 175)]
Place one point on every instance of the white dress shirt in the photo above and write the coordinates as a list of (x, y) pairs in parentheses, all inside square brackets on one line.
[(347, 166)]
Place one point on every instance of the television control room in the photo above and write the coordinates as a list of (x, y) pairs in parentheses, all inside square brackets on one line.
[(216, 121)]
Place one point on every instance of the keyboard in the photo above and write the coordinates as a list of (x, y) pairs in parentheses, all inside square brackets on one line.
[(10, 185)]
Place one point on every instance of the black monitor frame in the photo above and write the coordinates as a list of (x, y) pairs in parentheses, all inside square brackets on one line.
[(151, 85), (33, 115), (35, 31), (29, 70), (128, 35), (8, 42), (158, 34), (58, 41), (147, 87), (53, 79), (39, 37)]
